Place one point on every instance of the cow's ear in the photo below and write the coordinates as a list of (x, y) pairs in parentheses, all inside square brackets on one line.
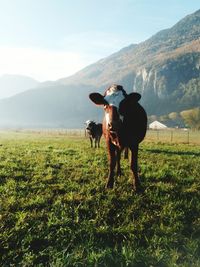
[(128, 102), (98, 99), (134, 97)]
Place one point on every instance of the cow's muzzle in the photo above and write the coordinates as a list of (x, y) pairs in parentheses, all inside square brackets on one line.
[(114, 137)]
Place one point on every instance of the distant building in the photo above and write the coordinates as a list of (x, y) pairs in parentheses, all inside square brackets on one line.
[(156, 125)]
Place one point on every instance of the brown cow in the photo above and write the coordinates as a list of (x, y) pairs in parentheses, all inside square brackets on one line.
[(124, 126)]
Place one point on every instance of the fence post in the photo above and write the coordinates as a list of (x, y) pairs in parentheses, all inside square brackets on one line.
[(171, 136), (188, 137), (157, 135)]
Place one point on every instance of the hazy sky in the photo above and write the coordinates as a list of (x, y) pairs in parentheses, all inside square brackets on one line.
[(51, 39)]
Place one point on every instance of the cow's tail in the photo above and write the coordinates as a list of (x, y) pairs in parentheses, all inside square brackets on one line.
[(126, 152)]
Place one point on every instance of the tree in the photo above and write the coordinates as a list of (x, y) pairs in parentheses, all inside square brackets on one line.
[(192, 118), (152, 118), (174, 116), (164, 118), (188, 95)]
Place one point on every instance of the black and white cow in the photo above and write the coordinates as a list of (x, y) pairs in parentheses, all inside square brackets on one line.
[(94, 132)]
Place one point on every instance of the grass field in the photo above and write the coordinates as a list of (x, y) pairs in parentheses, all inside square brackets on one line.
[(55, 211)]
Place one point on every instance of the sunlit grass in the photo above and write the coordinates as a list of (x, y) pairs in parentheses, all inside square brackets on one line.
[(55, 211)]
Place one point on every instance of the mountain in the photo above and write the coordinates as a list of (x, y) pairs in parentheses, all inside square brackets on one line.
[(156, 68), (165, 69), (13, 84), (52, 106)]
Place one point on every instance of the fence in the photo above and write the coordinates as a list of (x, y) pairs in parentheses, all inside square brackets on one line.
[(165, 136), (173, 136)]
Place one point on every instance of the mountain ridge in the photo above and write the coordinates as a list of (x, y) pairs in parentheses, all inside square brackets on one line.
[(163, 69), (11, 84)]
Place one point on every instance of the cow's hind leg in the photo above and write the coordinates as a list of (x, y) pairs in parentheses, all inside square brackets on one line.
[(126, 153), (95, 142), (118, 155), (99, 138), (134, 168)]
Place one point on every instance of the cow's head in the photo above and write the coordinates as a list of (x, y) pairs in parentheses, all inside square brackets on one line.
[(89, 125), (114, 100)]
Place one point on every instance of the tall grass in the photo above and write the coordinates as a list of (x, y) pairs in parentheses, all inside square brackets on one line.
[(55, 211)]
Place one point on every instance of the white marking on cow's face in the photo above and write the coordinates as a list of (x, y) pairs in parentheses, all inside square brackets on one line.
[(112, 89), (107, 117), (114, 97), (88, 122), (112, 118)]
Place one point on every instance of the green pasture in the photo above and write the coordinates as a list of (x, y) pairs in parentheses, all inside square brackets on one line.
[(55, 211)]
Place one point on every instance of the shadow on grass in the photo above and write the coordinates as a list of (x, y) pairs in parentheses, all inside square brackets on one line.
[(186, 153)]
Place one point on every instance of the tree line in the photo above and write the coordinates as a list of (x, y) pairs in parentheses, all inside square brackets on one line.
[(187, 118)]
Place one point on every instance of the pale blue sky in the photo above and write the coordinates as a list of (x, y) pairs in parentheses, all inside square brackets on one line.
[(51, 39)]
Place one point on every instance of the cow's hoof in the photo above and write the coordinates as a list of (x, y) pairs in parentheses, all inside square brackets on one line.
[(109, 185), (138, 189), (119, 174)]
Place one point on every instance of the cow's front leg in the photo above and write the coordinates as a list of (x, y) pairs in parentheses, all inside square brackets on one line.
[(134, 168), (112, 164), (91, 143), (118, 155)]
